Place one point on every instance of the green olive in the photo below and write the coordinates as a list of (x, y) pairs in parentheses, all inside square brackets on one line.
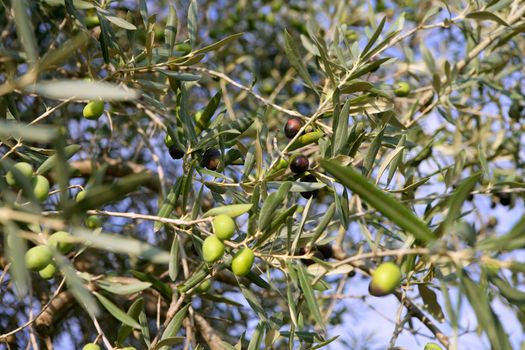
[(203, 287), (91, 346), (184, 48), (40, 187), (94, 109), (385, 279), (212, 249), (61, 240), (91, 21), (92, 222), (402, 89), (223, 226), (80, 195), (38, 257), (23, 168), (432, 346), (242, 262), (48, 272)]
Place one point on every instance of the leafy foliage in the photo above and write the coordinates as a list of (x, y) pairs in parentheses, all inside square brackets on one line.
[(409, 119)]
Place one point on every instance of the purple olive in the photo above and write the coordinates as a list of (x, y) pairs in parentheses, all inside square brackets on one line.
[(309, 178), (299, 164), (211, 158), (292, 127), (175, 152)]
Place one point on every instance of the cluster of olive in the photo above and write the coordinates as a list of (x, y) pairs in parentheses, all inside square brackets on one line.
[(299, 163), (213, 246), (39, 184), (503, 198), (40, 258), (210, 158)]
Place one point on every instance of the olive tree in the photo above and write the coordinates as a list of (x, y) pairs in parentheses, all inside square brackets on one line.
[(261, 174)]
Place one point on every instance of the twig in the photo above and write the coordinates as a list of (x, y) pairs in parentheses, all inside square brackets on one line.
[(417, 313), (101, 333), (31, 320), (411, 307), (253, 93), (49, 111), (174, 307), (135, 216)]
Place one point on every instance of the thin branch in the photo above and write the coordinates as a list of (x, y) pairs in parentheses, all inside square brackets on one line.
[(208, 333)]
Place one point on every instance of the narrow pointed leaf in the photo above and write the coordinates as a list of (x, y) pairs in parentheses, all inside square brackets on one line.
[(383, 202), (296, 60), (232, 210), (174, 326), (455, 202), (170, 31), (123, 245), (50, 162), (116, 312), (123, 289), (309, 295), (374, 37), (192, 23), (134, 312)]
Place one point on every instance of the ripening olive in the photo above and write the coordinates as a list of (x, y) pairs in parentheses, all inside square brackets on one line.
[(91, 346), (515, 110), (326, 250), (40, 187), (48, 272), (299, 164), (61, 240), (175, 152), (211, 158), (223, 226), (432, 346), (317, 254), (23, 168), (129, 348), (402, 89), (292, 127), (92, 222), (385, 279), (309, 178), (212, 249), (93, 110), (505, 198), (203, 287), (242, 262), (38, 257)]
